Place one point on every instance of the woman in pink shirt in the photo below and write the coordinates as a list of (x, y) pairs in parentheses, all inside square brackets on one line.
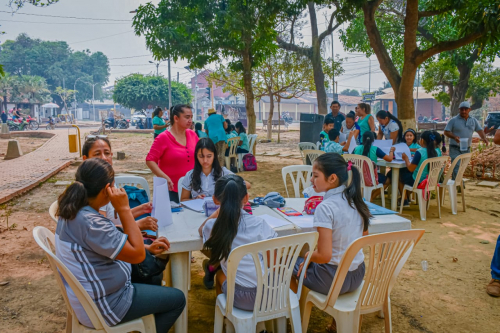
[(172, 154)]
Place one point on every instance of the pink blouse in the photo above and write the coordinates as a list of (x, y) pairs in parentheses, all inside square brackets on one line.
[(174, 159)]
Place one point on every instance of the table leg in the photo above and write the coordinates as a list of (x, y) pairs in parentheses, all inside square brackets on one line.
[(394, 189), (180, 263)]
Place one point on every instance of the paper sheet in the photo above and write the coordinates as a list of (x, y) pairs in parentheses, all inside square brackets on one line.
[(352, 145), (384, 145), (196, 204), (161, 202), (400, 149), (342, 137), (273, 222), (304, 221)]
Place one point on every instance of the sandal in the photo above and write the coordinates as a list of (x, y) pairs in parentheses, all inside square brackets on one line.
[(193, 260)]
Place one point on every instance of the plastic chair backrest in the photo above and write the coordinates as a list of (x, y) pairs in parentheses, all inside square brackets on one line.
[(179, 187), (435, 165), (296, 173), (121, 181), (45, 239), (313, 154), (464, 160), (305, 145), (273, 283), (233, 146), (358, 161), (53, 210), (252, 138), (387, 256)]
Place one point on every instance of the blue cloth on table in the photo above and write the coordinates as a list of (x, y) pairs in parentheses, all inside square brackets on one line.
[(378, 210)]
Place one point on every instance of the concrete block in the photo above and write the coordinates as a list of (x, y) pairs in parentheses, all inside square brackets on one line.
[(5, 134), (13, 150), (488, 184), (62, 183), (120, 155)]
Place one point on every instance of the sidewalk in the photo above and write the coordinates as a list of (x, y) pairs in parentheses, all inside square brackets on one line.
[(22, 174)]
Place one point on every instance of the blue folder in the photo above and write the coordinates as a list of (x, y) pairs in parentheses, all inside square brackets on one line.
[(378, 210)]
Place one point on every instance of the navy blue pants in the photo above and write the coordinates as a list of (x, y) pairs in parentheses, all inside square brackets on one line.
[(495, 263)]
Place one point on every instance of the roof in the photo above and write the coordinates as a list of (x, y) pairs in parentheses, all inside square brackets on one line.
[(422, 94)]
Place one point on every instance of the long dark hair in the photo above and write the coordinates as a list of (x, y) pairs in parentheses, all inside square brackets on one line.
[(177, 110), (91, 177), (157, 111), (239, 127), (229, 191), (89, 143), (430, 139), (366, 107), (204, 143), (412, 131), (333, 163), (368, 139), (228, 128), (439, 141), (385, 114), (198, 127)]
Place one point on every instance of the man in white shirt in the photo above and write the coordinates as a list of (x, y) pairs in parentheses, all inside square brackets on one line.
[(149, 117)]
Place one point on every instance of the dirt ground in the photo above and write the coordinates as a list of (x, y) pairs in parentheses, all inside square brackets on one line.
[(449, 297), (27, 145)]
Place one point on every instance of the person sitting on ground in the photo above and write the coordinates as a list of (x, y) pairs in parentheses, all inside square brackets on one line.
[(428, 150), (350, 125), (230, 227), (341, 218), (99, 255), (390, 127), (159, 124), (333, 145), (410, 137), (242, 133), (199, 131), (328, 125)]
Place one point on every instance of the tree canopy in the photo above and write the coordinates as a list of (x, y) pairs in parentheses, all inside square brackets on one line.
[(350, 92), (137, 91)]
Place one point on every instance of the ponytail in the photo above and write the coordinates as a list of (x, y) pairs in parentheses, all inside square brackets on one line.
[(333, 163), (229, 191), (91, 177), (430, 138), (440, 140), (368, 139), (386, 114)]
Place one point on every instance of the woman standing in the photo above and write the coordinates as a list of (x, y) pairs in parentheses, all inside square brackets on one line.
[(215, 126), (159, 124), (172, 154), (366, 121)]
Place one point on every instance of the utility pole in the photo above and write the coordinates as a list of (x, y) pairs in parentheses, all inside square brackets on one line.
[(370, 77), (333, 72), (177, 77), (157, 64)]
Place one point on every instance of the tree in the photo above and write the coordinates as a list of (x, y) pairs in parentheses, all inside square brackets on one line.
[(65, 95), (15, 4), (405, 34), (137, 91), (313, 52), (203, 32), (6, 86), (34, 89), (350, 92)]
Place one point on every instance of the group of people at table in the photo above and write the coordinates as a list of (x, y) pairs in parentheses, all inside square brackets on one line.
[(99, 239)]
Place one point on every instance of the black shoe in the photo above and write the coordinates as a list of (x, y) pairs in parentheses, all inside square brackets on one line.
[(209, 278)]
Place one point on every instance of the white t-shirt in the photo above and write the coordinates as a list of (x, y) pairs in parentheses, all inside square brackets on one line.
[(149, 113), (251, 229), (345, 222), (207, 183), (392, 126)]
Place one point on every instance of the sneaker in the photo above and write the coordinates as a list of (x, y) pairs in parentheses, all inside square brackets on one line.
[(493, 288), (209, 278)]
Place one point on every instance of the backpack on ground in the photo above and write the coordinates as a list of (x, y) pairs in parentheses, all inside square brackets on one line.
[(249, 163)]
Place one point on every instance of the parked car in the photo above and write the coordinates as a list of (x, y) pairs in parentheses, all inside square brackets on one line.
[(492, 120)]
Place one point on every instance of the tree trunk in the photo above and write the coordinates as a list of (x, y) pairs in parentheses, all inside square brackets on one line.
[(404, 97), (315, 56), (279, 118), (270, 117), (247, 81), (460, 90)]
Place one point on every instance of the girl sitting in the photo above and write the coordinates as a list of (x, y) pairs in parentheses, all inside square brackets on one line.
[(390, 127), (229, 228), (411, 140), (242, 133), (99, 255), (340, 219), (199, 131), (200, 182), (350, 125), (440, 143)]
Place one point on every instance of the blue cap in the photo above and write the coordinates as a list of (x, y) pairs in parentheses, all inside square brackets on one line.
[(464, 104)]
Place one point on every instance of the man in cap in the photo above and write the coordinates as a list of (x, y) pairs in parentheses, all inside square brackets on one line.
[(460, 127)]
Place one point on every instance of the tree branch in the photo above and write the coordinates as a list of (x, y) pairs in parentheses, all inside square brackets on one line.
[(330, 28), (293, 47), (427, 35), (428, 13), (423, 55)]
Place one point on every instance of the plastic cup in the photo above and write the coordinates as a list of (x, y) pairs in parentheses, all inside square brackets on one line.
[(464, 144), (424, 265)]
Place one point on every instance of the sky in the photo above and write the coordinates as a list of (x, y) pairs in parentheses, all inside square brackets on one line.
[(105, 25)]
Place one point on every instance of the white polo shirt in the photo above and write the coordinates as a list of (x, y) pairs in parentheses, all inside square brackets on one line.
[(207, 183)]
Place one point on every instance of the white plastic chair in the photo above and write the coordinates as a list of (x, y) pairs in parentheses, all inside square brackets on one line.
[(232, 144), (388, 253), (53, 210), (121, 181), (305, 145), (252, 138), (46, 240), (312, 154), (451, 185), (358, 161), (435, 165), (179, 187), (274, 298), (296, 173)]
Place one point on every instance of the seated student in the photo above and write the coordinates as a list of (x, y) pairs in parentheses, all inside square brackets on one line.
[(242, 133), (328, 125), (199, 131), (428, 150), (411, 140), (333, 145), (99, 255), (390, 127), (230, 133), (439, 143), (373, 153), (200, 182), (350, 125), (340, 219), (228, 228)]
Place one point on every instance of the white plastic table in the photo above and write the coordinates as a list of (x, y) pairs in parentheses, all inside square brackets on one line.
[(184, 237), (395, 166)]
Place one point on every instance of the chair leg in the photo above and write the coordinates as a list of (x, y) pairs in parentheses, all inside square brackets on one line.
[(443, 194), (69, 320), (219, 320), (348, 321), (281, 324), (463, 195), (422, 205), (189, 272), (244, 326), (295, 320), (382, 195), (228, 163), (402, 200), (387, 316), (453, 198), (306, 315), (438, 202)]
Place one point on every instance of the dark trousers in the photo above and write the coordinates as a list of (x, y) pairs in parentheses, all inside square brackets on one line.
[(454, 153), (495, 263), (165, 303)]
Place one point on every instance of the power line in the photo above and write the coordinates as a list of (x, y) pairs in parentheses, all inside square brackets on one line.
[(64, 23), (139, 56), (90, 40), (69, 17)]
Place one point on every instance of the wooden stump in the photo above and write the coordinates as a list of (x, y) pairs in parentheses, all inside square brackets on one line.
[(120, 155)]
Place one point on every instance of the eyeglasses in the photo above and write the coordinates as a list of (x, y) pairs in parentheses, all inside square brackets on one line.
[(91, 136)]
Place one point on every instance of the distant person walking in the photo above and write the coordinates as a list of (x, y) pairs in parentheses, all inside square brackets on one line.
[(159, 124), (462, 126), (336, 115), (215, 126), (149, 117)]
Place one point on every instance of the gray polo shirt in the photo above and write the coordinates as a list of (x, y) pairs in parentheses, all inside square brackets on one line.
[(88, 246), (462, 128)]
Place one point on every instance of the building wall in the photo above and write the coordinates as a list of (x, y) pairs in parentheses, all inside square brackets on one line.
[(429, 108)]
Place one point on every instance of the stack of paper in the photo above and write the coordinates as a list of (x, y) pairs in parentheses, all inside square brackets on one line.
[(352, 145), (196, 204), (161, 202), (273, 222), (386, 145)]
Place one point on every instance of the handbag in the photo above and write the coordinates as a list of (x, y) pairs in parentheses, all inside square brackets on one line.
[(424, 186), (311, 204)]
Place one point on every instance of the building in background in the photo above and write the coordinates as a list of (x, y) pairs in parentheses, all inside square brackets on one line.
[(426, 105)]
